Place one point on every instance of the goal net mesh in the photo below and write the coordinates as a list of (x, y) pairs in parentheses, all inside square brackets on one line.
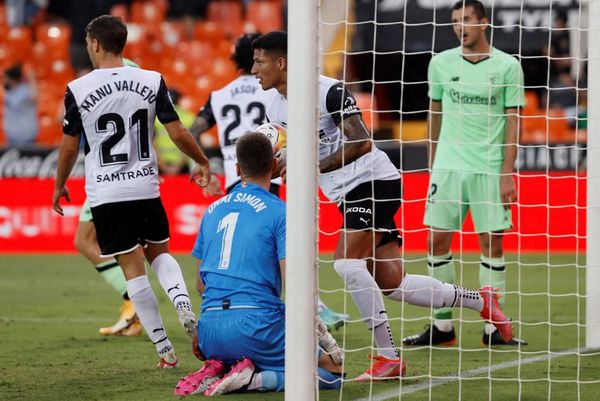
[(381, 50)]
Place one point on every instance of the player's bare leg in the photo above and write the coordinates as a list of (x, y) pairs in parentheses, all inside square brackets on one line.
[(146, 304), (387, 267), (86, 243), (440, 266), (171, 280), (492, 271)]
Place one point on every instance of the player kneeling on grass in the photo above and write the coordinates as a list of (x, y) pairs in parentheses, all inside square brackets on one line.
[(241, 252)]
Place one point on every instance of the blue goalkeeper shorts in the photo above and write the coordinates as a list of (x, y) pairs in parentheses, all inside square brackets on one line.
[(232, 334)]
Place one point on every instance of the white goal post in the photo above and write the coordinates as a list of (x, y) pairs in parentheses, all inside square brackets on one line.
[(302, 194), (592, 332), (302, 202)]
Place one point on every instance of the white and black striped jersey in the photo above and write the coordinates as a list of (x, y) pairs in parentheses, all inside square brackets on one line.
[(237, 108), (114, 110), (335, 104)]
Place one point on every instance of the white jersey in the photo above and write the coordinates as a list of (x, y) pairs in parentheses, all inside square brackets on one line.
[(237, 108), (335, 104), (114, 109)]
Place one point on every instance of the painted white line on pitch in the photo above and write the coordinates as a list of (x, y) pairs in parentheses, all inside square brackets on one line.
[(413, 388), (62, 319)]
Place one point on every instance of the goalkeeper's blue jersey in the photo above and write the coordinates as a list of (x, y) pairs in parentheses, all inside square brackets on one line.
[(240, 243)]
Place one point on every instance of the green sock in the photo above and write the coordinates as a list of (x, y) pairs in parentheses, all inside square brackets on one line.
[(492, 271), (442, 268), (112, 273)]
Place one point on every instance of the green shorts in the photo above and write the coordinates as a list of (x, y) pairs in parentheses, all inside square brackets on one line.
[(452, 193), (86, 212)]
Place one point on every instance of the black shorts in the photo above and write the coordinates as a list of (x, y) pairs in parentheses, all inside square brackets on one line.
[(123, 226), (373, 205)]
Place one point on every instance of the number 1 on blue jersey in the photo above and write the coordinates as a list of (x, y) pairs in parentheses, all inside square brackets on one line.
[(228, 224)]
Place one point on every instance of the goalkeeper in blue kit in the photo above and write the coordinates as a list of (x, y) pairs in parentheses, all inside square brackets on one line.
[(241, 252)]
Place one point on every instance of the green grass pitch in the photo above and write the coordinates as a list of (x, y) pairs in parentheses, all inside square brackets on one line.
[(51, 308)]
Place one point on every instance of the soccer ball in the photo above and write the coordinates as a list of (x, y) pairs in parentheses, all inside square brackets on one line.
[(276, 134)]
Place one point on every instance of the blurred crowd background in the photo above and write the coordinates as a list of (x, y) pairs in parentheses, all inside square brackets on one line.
[(42, 47)]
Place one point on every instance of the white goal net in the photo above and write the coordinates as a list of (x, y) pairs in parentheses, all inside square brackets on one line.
[(546, 265)]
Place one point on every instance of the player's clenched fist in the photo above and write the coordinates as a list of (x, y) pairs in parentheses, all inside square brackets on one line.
[(200, 175)]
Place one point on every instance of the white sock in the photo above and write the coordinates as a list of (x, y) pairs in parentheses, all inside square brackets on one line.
[(256, 382), (367, 297), (171, 280), (428, 291), (146, 307), (320, 304), (444, 325), (489, 328)]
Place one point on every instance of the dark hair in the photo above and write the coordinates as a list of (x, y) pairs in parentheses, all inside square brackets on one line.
[(14, 72), (243, 53), (272, 42), (254, 154), (109, 31), (478, 7)]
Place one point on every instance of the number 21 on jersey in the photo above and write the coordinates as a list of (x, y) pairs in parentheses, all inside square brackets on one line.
[(227, 224)]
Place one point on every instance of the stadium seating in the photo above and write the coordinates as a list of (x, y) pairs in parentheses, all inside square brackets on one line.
[(265, 15), (539, 126), (150, 13), (19, 43), (50, 132), (368, 105), (196, 60), (120, 10), (227, 14), (57, 37)]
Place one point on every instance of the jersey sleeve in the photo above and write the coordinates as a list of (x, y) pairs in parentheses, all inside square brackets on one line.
[(436, 89), (206, 112), (514, 90), (165, 111), (72, 124), (340, 103), (197, 250), (280, 235)]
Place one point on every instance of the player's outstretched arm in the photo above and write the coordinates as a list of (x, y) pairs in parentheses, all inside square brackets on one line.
[(357, 145), (67, 156), (186, 143)]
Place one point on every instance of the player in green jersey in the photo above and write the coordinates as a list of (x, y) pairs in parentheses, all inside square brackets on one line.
[(476, 92)]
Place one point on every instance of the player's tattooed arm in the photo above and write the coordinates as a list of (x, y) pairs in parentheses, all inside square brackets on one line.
[(198, 127), (357, 145), (205, 119)]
